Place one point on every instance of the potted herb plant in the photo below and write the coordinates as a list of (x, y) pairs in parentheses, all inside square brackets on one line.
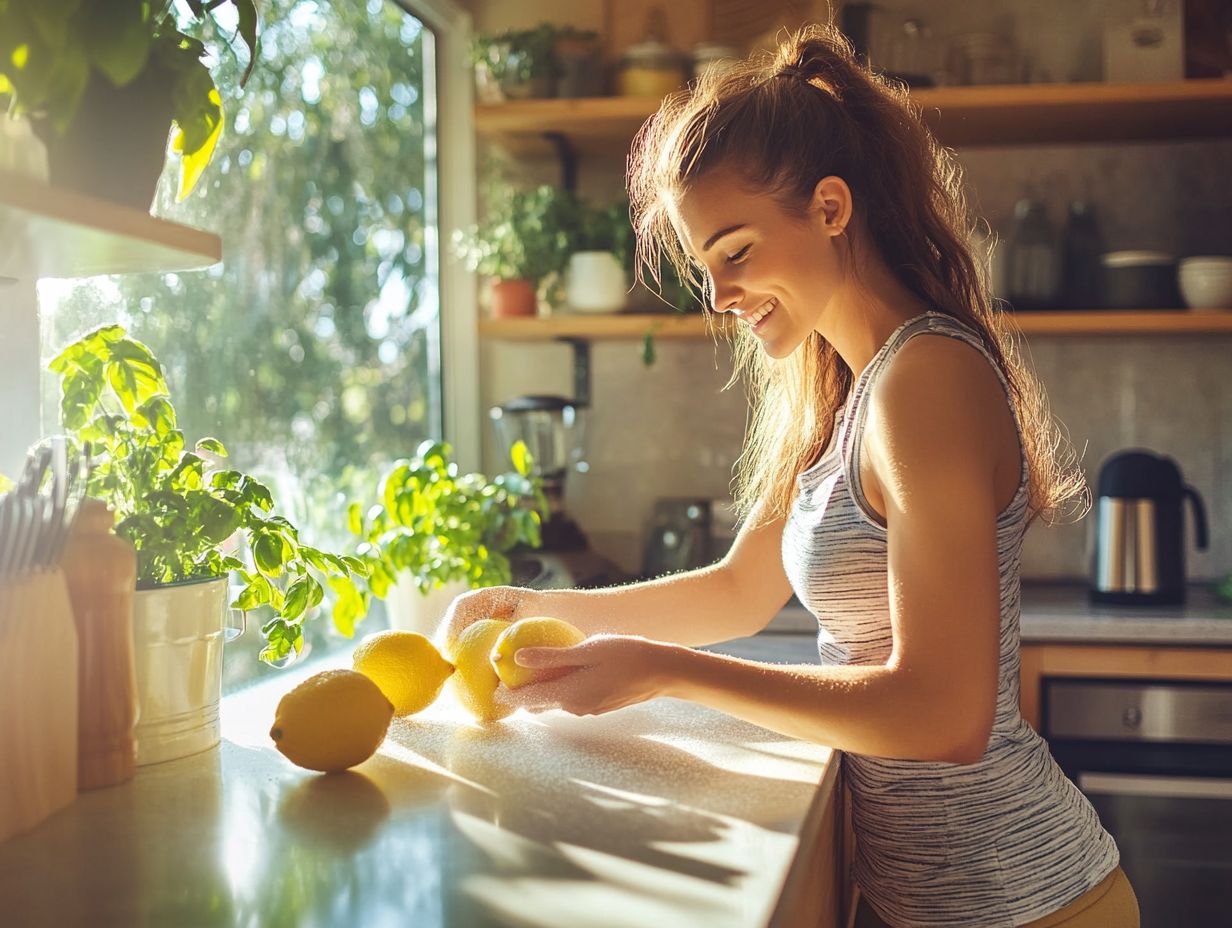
[(579, 60), (433, 533), (102, 82), (596, 278), (522, 242), (186, 515), (516, 65)]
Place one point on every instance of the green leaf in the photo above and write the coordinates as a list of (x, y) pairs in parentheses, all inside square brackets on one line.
[(648, 349), (194, 156), (267, 552), (355, 519), (283, 637), (212, 446), (522, 460), (356, 565), (218, 520), (256, 493), (350, 605), (297, 596), (118, 39), (315, 592), (156, 413), (52, 19), (257, 593)]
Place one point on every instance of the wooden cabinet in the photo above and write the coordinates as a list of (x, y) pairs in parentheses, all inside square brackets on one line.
[(1126, 661)]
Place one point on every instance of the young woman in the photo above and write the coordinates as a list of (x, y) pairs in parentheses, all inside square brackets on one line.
[(897, 453)]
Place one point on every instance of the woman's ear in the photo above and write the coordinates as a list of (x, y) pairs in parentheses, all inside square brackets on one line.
[(831, 205)]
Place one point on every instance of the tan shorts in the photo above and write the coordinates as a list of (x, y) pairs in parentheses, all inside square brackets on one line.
[(1109, 904)]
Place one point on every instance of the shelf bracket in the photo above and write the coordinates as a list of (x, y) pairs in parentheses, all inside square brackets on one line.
[(567, 155), (581, 370)]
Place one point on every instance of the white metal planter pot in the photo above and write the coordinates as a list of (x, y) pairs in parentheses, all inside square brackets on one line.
[(412, 611), (178, 635)]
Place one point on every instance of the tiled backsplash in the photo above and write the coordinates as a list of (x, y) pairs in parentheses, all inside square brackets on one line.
[(669, 431)]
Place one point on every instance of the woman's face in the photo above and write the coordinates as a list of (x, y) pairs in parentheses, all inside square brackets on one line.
[(774, 270)]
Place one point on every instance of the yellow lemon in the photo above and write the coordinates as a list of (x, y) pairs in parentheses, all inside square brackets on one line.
[(475, 681), (333, 720), (406, 666), (530, 633)]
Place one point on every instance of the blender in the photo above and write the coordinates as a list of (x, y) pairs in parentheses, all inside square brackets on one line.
[(554, 430)]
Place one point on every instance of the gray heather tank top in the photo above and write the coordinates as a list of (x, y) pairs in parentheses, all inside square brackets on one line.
[(996, 843)]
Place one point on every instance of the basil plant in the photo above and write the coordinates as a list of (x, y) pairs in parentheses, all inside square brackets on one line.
[(179, 507), (438, 526)]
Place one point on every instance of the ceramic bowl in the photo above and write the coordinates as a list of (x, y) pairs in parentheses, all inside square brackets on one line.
[(1206, 282)]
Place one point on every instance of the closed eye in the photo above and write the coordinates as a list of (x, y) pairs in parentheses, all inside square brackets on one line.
[(739, 256)]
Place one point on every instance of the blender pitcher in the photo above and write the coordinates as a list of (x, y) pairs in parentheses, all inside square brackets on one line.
[(554, 430)]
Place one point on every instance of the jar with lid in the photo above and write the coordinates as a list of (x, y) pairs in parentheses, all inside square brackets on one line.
[(652, 68), (1032, 261), (1082, 245)]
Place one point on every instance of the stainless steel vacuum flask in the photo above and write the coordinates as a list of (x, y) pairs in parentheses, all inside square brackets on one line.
[(1139, 531)]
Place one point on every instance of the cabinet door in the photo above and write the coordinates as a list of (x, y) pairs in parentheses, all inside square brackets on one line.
[(1084, 660)]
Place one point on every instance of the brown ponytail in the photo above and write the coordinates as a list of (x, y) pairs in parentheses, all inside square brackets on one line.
[(784, 121)]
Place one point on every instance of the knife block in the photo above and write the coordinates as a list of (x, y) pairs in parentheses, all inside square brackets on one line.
[(38, 700)]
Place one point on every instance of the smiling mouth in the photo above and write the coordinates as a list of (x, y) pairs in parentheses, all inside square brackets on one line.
[(757, 318)]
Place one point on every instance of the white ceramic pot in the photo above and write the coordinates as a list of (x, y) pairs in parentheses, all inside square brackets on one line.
[(178, 634), (412, 611), (1206, 282), (595, 283)]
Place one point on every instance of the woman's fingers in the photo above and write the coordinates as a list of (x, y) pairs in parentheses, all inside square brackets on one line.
[(546, 658)]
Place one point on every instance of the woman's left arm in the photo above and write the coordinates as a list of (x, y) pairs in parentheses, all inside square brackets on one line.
[(930, 434)]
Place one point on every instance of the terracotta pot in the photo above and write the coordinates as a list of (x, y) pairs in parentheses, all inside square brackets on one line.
[(513, 298), (116, 145)]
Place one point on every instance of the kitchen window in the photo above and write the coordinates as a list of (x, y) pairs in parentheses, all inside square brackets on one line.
[(314, 352)]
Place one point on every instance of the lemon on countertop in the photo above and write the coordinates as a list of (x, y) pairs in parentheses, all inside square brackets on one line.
[(333, 720), (538, 632), (405, 665), (475, 681)]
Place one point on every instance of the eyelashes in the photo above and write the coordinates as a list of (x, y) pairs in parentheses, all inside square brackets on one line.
[(739, 256)]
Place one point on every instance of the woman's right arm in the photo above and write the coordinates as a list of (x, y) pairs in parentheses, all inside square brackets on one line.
[(735, 597)]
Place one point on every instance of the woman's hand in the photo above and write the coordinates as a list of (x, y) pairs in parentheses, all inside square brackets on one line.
[(601, 674), (493, 602)]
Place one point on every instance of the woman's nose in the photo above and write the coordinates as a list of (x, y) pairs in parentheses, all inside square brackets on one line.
[(724, 296)]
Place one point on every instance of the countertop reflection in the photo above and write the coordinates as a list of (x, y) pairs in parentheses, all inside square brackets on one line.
[(660, 814)]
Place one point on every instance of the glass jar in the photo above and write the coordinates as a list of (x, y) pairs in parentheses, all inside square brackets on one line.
[(651, 68), (1032, 262)]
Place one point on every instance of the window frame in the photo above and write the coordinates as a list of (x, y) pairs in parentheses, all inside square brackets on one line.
[(456, 203)]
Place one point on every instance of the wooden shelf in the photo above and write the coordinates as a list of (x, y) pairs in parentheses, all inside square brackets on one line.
[(1067, 322), (605, 326), (49, 231), (1014, 114), (1126, 322)]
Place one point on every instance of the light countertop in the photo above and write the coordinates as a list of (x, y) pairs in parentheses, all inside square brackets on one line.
[(661, 814), (1063, 613)]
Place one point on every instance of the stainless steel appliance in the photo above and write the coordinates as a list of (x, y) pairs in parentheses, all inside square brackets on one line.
[(679, 537), (1139, 537), (554, 430), (1155, 759)]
